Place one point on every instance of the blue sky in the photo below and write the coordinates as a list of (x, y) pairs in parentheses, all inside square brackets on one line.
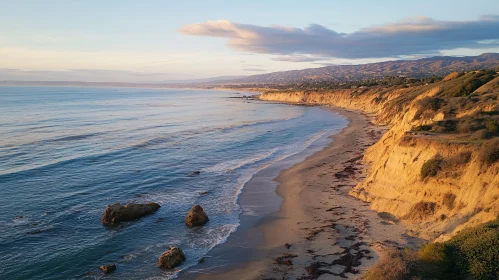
[(159, 40)]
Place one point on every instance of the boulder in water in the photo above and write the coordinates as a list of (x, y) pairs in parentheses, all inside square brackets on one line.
[(195, 173), (196, 216), (118, 213), (171, 258), (108, 268)]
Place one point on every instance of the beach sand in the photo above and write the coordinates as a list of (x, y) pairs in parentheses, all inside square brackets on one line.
[(319, 231)]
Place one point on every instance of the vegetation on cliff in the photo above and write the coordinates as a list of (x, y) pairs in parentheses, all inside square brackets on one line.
[(471, 254), (436, 169)]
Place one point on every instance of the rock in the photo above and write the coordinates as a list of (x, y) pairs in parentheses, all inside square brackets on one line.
[(117, 213), (203, 193), (195, 173), (108, 268), (201, 260), (171, 258), (196, 216)]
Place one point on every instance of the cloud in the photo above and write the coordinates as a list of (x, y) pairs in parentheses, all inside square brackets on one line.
[(329, 64), (411, 36), (298, 58)]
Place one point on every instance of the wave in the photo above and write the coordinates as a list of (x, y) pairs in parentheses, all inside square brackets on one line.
[(55, 163), (249, 124), (231, 165), (245, 177), (176, 137), (74, 137)]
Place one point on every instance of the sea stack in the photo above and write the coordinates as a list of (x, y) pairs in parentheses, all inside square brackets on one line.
[(117, 213), (171, 258), (196, 216)]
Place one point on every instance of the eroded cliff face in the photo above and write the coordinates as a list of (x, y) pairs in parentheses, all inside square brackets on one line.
[(462, 192)]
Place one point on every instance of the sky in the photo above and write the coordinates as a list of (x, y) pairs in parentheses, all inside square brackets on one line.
[(160, 41)]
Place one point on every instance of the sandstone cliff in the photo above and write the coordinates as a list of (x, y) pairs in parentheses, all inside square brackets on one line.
[(428, 169)]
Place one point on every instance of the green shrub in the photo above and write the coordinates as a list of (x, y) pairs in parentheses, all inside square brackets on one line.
[(431, 167), (476, 251), (489, 152), (433, 253), (471, 254), (492, 126)]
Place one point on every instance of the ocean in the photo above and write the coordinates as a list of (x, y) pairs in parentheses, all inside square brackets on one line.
[(66, 153)]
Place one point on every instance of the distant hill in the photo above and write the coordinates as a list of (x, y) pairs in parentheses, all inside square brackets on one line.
[(426, 67), (164, 84), (439, 65)]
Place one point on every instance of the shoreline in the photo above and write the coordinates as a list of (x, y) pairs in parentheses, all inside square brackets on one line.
[(318, 229)]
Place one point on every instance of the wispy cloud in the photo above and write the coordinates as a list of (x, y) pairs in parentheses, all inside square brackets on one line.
[(298, 58), (412, 36)]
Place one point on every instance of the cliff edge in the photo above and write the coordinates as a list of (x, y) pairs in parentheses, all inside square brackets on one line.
[(437, 167)]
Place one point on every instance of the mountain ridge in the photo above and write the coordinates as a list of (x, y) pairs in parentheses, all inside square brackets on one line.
[(425, 67)]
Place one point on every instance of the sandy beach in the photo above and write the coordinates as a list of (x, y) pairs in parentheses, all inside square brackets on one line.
[(319, 230)]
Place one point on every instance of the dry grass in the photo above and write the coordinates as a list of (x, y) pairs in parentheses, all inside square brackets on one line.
[(431, 167), (489, 153), (458, 159), (421, 211), (480, 134), (449, 200), (395, 265)]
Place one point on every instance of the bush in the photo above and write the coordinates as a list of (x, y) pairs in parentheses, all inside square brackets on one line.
[(439, 129), (450, 125), (423, 128), (459, 159), (431, 167), (471, 254), (421, 210), (476, 251), (448, 200), (432, 103), (435, 261), (489, 152), (492, 126), (464, 127), (395, 265), (480, 134)]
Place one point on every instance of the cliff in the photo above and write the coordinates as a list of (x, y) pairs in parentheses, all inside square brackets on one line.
[(436, 168)]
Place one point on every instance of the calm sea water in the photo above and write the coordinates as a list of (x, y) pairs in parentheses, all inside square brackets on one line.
[(65, 153)]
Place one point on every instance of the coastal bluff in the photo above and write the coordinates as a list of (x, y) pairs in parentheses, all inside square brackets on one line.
[(438, 127)]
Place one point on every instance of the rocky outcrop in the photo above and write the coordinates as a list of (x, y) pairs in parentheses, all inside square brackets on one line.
[(196, 216), (171, 258), (195, 173), (118, 213), (108, 268)]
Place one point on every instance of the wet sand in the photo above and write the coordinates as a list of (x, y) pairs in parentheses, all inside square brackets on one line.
[(319, 231)]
